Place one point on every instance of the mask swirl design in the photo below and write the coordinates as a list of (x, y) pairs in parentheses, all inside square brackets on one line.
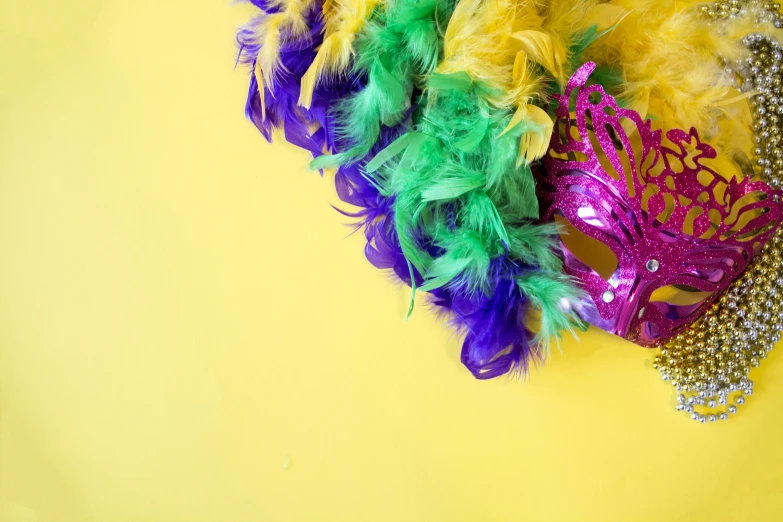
[(670, 220)]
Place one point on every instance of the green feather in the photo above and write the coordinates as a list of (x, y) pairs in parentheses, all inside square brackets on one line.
[(461, 202), (458, 81), (398, 46), (551, 293), (393, 149), (450, 188)]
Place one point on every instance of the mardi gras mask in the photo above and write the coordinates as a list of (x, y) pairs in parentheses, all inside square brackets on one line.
[(670, 220)]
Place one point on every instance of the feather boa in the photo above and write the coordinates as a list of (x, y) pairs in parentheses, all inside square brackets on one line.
[(398, 47), (433, 113), (345, 19), (464, 196), (271, 100)]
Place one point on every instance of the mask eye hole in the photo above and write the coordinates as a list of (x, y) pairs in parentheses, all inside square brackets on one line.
[(679, 295), (590, 252), (677, 302)]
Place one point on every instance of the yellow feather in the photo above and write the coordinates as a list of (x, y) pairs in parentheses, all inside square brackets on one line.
[(603, 16), (520, 72), (565, 19), (668, 54), (346, 20), (290, 20), (517, 118), (307, 83), (478, 41), (524, 84), (540, 48), (535, 141), (499, 42), (260, 85)]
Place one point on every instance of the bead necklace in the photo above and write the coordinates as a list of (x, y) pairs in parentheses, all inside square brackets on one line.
[(709, 363)]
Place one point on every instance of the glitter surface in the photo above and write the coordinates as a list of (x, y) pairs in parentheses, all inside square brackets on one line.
[(661, 204)]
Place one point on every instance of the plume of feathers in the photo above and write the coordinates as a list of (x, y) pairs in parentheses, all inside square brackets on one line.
[(434, 114), (344, 22), (464, 197), (668, 56), (398, 46), (271, 100), (273, 105), (284, 21)]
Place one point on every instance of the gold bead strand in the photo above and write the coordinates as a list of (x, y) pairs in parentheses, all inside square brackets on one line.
[(709, 363)]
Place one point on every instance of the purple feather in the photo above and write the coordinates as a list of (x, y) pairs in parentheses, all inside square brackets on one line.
[(496, 340), (280, 104)]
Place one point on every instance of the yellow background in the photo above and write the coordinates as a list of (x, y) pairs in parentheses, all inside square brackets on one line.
[(186, 334)]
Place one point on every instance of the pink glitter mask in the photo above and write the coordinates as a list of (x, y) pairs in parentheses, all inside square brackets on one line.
[(671, 221)]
